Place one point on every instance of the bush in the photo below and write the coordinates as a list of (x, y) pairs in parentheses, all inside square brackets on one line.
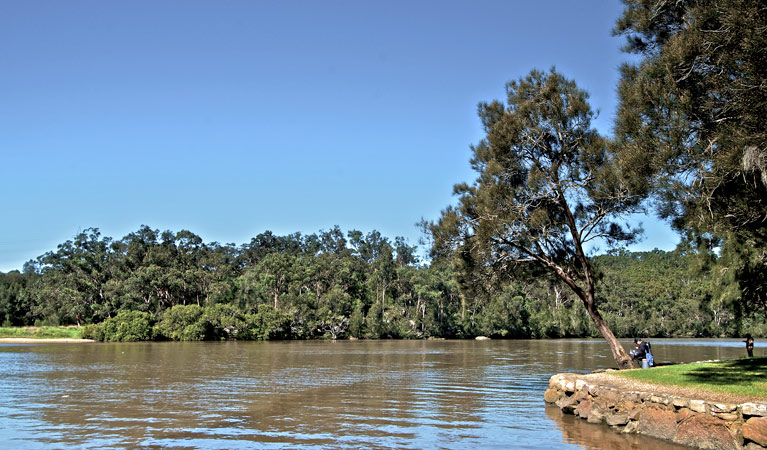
[(268, 323), (224, 322), (91, 331), (184, 323), (126, 326)]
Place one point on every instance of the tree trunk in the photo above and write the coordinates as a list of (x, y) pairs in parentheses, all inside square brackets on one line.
[(276, 295), (619, 353)]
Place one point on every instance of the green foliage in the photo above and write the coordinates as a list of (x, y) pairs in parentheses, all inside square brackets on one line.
[(370, 289), (224, 322), (268, 323), (357, 321), (505, 315), (691, 125), (13, 299), (126, 326), (374, 322), (41, 332), (184, 323), (546, 187)]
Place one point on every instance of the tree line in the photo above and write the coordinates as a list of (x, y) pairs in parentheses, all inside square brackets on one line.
[(512, 256), (172, 285)]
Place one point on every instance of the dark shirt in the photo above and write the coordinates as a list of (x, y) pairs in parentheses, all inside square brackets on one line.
[(641, 351)]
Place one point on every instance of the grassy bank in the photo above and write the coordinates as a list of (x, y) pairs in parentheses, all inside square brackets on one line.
[(746, 377), (41, 332)]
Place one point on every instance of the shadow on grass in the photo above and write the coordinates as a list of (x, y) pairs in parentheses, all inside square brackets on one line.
[(742, 372)]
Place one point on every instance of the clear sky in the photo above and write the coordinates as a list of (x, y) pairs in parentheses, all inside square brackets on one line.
[(229, 118)]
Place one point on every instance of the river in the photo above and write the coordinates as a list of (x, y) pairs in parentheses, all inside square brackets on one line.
[(316, 394)]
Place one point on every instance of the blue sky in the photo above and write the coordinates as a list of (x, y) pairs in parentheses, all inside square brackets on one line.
[(234, 117)]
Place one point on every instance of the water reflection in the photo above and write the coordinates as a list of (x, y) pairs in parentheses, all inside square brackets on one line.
[(371, 394), (592, 436)]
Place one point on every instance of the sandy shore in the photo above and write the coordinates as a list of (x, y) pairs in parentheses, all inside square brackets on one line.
[(43, 341)]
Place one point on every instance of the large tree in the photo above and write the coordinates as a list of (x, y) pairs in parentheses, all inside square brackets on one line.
[(692, 114), (547, 190)]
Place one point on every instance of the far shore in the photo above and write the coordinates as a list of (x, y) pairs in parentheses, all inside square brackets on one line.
[(44, 341)]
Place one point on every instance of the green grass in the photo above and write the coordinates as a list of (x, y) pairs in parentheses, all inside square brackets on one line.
[(40, 332), (746, 377)]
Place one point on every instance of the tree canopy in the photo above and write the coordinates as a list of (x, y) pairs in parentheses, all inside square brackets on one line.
[(547, 187), (691, 121)]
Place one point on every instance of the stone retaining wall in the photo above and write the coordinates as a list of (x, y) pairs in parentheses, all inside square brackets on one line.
[(692, 422)]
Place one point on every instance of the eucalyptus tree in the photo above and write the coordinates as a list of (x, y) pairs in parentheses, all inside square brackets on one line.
[(547, 189), (72, 285), (13, 306)]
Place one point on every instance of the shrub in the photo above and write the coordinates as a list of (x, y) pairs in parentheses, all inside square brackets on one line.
[(224, 322), (91, 331), (184, 323), (126, 326), (268, 323)]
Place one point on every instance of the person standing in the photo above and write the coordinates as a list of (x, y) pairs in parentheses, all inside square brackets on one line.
[(749, 345)]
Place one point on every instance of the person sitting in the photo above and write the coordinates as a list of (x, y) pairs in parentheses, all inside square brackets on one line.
[(641, 350)]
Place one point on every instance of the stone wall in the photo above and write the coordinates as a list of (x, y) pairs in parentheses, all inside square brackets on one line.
[(687, 421)]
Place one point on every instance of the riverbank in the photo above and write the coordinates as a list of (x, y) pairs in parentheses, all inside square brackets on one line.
[(48, 332), (687, 416), (44, 341), (42, 335)]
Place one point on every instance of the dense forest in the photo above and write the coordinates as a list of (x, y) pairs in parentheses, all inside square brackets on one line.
[(166, 285), (511, 256)]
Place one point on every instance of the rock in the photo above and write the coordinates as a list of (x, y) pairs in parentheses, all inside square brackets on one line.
[(570, 386), (723, 407), (617, 419), (581, 396), (551, 395), (729, 417), (680, 402), (482, 338), (635, 413), (699, 406), (705, 432), (567, 404), (752, 446), (631, 428), (584, 408), (754, 409), (736, 431), (596, 416), (580, 385), (684, 414), (659, 423), (623, 407), (609, 397), (755, 429)]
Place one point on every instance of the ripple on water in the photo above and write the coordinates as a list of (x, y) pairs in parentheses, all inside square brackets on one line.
[(402, 394)]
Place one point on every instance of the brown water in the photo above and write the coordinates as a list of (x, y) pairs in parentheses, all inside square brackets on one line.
[(346, 394)]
